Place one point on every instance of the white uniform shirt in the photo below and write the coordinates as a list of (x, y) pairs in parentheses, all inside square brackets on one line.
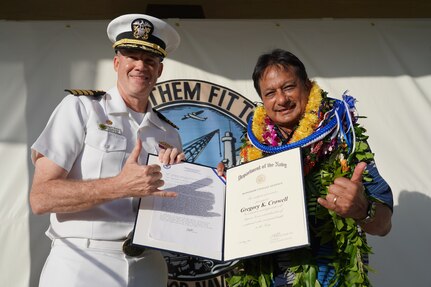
[(91, 137)]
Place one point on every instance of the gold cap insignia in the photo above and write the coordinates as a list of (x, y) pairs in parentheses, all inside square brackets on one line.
[(142, 29)]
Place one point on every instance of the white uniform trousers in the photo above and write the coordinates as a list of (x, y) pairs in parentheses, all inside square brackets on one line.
[(80, 262)]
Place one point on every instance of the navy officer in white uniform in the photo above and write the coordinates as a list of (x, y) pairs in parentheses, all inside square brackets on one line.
[(90, 166)]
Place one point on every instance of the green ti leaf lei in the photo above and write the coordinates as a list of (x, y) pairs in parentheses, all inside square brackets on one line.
[(350, 242)]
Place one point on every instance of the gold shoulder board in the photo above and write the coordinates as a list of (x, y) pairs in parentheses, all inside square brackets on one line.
[(91, 93), (163, 118)]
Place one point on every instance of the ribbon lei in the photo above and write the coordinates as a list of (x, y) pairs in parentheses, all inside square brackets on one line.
[(339, 118)]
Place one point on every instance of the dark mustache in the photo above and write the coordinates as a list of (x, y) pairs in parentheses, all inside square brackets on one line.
[(288, 104)]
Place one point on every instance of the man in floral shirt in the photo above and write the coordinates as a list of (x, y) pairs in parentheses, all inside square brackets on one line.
[(339, 174)]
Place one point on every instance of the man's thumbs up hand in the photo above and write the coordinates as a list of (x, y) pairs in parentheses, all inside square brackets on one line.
[(347, 196)]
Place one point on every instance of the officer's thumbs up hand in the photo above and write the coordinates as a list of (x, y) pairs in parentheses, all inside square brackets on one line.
[(142, 180), (134, 155)]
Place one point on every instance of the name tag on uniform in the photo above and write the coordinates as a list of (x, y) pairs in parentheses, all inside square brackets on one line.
[(110, 129)]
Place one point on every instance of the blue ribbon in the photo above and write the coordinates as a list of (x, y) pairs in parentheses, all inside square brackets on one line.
[(339, 114)]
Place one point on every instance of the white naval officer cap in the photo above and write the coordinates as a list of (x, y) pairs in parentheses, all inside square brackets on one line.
[(143, 32)]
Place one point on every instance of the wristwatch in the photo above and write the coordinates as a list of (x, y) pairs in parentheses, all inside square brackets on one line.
[(371, 213)]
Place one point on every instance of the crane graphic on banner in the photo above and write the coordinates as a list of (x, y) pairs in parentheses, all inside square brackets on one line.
[(193, 149)]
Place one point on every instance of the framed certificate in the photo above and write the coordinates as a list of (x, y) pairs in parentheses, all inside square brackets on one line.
[(260, 208)]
